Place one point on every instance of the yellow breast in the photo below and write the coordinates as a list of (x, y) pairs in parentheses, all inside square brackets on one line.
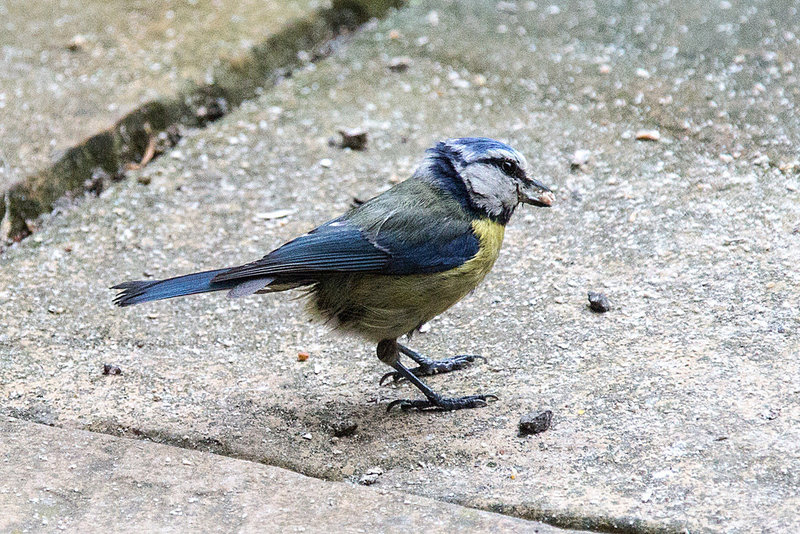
[(490, 235), (387, 306)]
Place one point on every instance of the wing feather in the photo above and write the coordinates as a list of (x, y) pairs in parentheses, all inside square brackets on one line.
[(333, 247), (407, 230)]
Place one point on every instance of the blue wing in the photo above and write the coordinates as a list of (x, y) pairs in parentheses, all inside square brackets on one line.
[(413, 228), (333, 247), (341, 247), (435, 248)]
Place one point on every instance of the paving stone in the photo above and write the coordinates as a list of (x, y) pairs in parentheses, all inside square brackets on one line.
[(57, 480), (678, 409), (70, 68)]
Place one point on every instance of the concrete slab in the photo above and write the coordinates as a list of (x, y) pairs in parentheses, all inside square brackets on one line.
[(70, 69), (678, 409), (57, 480)]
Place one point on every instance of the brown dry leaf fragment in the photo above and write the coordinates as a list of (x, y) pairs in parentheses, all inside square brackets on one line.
[(648, 135), (149, 152)]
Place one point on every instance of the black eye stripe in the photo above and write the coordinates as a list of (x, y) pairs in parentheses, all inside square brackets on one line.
[(507, 166), (512, 169)]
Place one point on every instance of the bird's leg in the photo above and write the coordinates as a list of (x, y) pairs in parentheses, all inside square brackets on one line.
[(428, 367), (389, 353)]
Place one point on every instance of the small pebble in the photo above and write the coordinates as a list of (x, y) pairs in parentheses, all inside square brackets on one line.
[(371, 476), (302, 356), (399, 64), (598, 302), (580, 158), (535, 423), (111, 369), (77, 43), (344, 428), (325, 162), (368, 480), (353, 138), (761, 160)]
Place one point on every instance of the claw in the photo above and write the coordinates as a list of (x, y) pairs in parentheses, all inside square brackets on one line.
[(442, 403), (389, 351), (396, 403), (434, 367), (395, 377)]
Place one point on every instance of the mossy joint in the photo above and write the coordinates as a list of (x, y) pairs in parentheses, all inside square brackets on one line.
[(126, 142)]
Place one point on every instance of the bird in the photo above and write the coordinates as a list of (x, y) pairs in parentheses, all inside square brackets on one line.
[(394, 262)]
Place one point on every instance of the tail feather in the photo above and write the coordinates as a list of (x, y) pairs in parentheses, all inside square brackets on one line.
[(136, 292)]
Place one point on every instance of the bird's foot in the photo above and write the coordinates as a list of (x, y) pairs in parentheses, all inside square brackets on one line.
[(429, 367), (443, 404)]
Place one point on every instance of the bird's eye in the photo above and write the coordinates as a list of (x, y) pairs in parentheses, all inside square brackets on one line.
[(508, 167)]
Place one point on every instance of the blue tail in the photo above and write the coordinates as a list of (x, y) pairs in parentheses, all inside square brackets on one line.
[(146, 290)]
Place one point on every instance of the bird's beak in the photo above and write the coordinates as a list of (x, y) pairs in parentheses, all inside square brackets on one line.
[(535, 193)]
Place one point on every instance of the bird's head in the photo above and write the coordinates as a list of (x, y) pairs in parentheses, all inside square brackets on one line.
[(487, 175)]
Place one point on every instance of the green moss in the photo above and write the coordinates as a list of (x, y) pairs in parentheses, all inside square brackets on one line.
[(235, 81)]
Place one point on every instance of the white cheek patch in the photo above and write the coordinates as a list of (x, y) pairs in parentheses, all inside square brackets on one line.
[(490, 188)]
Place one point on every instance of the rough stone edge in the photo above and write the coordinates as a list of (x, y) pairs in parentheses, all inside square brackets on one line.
[(110, 445), (574, 520), (568, 518)]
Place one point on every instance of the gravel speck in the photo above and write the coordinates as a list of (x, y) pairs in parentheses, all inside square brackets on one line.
[(580, 158), (343, 428), (77, 44), (598, 302), (399, 64), (535, 423), (111, 369), (371, 476), (353, 138)]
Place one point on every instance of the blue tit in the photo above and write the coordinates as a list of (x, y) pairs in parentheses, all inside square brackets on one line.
[(388, 266)]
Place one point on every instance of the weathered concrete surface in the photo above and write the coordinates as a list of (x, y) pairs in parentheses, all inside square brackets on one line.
[(149, 129), (55, 480), (677, 409), (69, 69)]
